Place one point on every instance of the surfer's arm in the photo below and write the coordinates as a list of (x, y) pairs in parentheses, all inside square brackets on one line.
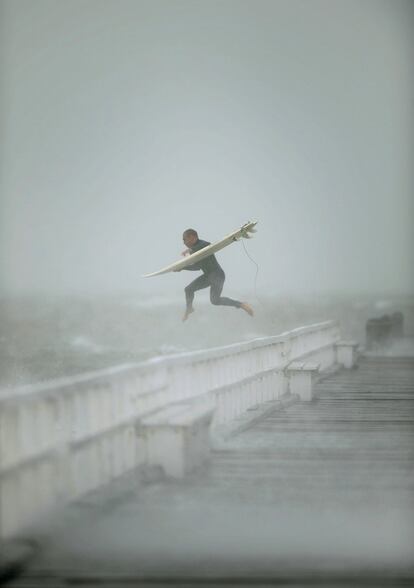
[(195, 267), (192, 268)]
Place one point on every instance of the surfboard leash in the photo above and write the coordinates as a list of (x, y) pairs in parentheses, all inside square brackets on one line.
[(257, 272), (262, 304)]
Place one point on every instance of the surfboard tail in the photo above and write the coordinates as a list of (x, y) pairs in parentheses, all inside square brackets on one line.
[(247, 229)]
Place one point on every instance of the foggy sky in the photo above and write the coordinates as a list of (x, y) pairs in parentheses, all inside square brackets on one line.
[(125, 122)]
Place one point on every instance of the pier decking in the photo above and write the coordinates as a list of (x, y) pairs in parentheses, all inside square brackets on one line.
[(317, 491)]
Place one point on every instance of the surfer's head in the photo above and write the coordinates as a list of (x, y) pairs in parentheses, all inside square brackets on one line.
[(190, 237)]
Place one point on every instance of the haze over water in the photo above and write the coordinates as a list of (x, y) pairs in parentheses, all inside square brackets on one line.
[(45, 338)]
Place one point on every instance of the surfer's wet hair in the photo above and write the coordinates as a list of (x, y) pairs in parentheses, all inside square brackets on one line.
[(190, 233)]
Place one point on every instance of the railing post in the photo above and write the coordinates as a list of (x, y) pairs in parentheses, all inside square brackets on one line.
[(346, 353)]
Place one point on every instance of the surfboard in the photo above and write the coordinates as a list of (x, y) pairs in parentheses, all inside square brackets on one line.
[(244, 232)]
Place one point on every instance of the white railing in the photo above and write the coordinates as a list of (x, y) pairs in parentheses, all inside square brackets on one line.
[(66, 437)]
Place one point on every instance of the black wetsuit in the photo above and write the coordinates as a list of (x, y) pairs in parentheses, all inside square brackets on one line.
[(213, 276)]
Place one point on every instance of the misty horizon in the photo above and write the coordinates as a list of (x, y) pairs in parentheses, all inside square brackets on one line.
[(125, 123)]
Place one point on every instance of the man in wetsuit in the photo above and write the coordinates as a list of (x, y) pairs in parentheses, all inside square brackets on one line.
[(213, 276)]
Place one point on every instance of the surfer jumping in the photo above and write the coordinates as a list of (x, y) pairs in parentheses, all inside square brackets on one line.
[(213, 277)]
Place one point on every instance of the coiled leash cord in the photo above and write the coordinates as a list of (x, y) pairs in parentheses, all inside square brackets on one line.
[(257, 273)]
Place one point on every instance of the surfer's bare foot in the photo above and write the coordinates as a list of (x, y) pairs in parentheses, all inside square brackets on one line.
[(247, 308), (187, 313)]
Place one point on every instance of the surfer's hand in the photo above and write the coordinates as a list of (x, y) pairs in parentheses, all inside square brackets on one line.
[(177, 270), (185, 252)]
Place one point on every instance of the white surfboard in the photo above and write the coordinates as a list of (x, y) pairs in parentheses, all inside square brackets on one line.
[(243, 233)]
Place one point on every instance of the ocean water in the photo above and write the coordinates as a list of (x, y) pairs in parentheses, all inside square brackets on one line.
[(42, 338)]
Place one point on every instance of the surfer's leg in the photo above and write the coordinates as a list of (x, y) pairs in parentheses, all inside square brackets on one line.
[(217, 282), (197, 284)]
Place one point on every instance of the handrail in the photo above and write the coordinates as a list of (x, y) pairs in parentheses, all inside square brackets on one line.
[(62, 438), (15, 394)]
